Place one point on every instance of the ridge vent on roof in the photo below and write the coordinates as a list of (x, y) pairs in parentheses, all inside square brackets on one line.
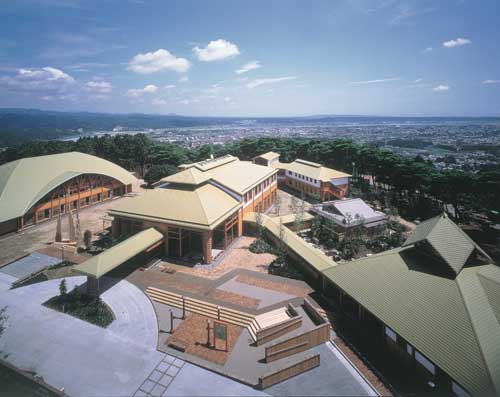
[(309, 163), (209, 164)]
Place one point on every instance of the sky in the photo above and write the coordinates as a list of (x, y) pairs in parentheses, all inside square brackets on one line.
[(252, 58)]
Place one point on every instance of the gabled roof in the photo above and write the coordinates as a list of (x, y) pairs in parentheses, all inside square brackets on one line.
[(453, 322), (447, 239), (312, 170), (268, 156), (201, 207), (228, 171), (99, 265), (24, 182), (189, 176)]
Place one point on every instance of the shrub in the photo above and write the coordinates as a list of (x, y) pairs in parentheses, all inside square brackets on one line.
[(260, 247)]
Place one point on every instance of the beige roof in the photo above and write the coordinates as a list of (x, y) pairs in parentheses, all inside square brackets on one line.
[(238, 176), (101, 264), (202, 207), (268, 156), (312, 170), (189, 176), (24, 182), (316, 258)]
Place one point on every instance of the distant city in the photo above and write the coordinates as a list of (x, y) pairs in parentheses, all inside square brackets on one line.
[(449, 143)]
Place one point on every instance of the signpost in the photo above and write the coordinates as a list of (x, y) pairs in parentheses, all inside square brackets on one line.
[(220, 332)]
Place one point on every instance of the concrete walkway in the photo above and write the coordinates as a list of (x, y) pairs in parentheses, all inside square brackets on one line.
[(87, 360)]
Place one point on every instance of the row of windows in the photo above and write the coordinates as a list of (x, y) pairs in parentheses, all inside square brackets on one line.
[(302, 187), (52, 212), (303, 177), (259, 188), (423, 361)]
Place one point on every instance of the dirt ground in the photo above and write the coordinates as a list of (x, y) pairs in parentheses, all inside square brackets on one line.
[(192, 333), (285, 207), (239, 258), (287, 288), (16, 245)]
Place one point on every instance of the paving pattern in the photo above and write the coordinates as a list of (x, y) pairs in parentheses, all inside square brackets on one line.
[(161, 377)]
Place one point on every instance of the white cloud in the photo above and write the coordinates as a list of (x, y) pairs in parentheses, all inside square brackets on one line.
[(216, 50), (456, 43), (491, 82), (374, 81), (441, 88), (249, 66), (102, 87), (39, 79), (159, 60), (169, 86), (138, 92), (426, 50), (418, 80), (258, 82), (184, 79)]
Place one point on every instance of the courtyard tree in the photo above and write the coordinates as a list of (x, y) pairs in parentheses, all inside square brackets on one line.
[(87, 238)]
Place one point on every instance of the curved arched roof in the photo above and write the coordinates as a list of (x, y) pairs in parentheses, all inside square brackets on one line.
[(23, 182)]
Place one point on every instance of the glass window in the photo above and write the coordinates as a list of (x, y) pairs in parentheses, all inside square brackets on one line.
[(425, 362)]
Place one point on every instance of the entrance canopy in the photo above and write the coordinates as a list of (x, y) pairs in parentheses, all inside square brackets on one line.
[(101, 264)]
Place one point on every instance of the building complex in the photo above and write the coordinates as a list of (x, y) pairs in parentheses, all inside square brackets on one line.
[(432, 305), (200, 209), (308, 178)]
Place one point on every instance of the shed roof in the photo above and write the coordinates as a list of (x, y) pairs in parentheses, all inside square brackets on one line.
[(99, 265), (24, 182), (202, 207), (312, 170), (452, 321)]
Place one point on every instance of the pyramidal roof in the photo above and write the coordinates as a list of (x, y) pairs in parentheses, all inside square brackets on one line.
[(449, 241)]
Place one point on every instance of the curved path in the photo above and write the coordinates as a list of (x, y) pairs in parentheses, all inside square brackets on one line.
[(87, 360)]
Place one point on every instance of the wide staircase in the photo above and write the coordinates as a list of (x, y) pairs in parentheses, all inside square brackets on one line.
[(236, 317)]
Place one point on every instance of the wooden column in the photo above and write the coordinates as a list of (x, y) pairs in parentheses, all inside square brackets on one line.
[(240, 223), (207, 247)]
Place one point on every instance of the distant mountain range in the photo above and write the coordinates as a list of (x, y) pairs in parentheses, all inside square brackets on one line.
[(22, 125)]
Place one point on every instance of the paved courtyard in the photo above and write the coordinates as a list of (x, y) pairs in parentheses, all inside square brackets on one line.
[(15, 245), (87, 360)]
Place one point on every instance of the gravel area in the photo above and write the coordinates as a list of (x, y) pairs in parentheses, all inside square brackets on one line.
[(192, 332), (273, 285)]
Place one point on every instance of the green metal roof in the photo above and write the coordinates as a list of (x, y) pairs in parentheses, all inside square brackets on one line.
[(101, 264), (24, 182), (452, 321), (447, 239)]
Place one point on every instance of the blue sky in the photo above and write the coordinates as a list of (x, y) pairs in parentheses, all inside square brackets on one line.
[(252, 58)]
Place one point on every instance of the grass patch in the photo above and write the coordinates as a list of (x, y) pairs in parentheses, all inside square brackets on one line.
[(86, 308)]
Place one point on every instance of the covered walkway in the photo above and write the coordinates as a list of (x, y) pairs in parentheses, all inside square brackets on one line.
[(101, 264), (312, 256)]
